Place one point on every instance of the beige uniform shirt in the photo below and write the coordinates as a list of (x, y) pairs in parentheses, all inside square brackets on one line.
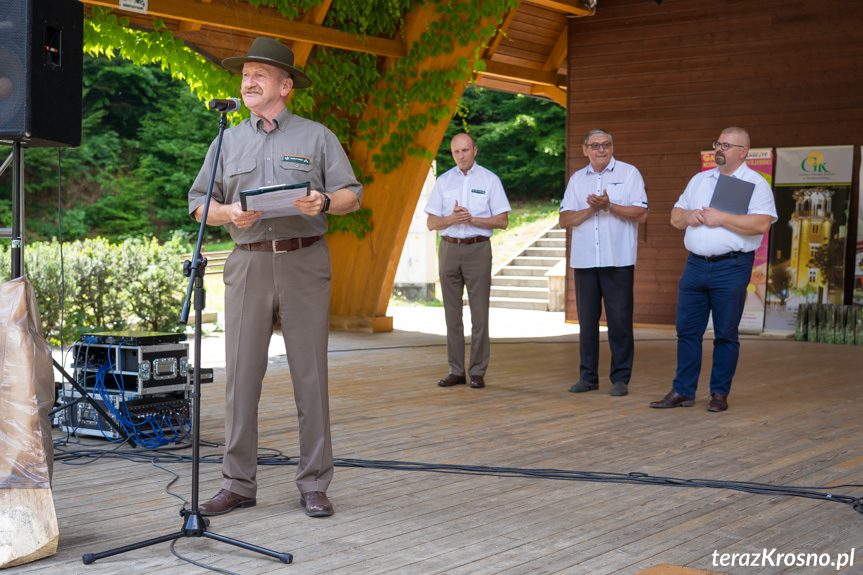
[(295, 151)]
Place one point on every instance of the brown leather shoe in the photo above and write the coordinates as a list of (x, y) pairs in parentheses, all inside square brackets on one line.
[(477, 381), (718, 402), (317, 504), (673, 399), (224, 502), (451, 380)]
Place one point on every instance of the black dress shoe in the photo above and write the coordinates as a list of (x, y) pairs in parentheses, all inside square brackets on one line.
[(673, 399), (452, 380), (224, 502), (317, 504), (718, 402), (581, 386), (619, 389), (477, 381)]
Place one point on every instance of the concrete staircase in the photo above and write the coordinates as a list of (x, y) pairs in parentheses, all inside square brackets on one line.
[(521, 283)]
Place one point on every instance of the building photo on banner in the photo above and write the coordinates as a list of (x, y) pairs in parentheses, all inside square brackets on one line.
[(761, 161), (858, 257), (808, 242)]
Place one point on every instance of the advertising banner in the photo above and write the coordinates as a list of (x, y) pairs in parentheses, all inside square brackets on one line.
[(858, 258), (807, 243), (760, 160)]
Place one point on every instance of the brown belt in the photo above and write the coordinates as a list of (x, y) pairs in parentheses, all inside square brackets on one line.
[(472, 240), (279, 246)]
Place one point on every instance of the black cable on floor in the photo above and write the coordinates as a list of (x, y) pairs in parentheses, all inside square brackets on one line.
[(269, 456)]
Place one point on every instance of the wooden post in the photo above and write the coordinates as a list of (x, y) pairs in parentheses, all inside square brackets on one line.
[(364, 270)]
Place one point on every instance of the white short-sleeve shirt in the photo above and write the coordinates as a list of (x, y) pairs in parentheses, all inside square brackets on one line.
[(480, 191), (707, 241), (604, 240)]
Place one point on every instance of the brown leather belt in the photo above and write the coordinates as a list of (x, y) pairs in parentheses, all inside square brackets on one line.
[(472, 240), (279, 246)]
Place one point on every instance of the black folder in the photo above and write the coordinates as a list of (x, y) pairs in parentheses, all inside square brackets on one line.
[(732, 195)]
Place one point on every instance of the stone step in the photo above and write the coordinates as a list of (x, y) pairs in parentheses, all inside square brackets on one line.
[(520, 281), (545, 262), (545, 252), (524, 271), (555, 233), (550, 243), (519, 292), (519, 303)]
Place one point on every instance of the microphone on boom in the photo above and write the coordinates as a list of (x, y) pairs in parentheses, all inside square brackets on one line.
[(229, 105)]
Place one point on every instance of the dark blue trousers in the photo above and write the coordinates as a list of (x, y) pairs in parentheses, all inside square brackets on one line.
[(613, 285), (705, 287)]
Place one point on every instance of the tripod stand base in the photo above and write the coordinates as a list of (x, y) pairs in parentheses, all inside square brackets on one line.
[(195, 526)]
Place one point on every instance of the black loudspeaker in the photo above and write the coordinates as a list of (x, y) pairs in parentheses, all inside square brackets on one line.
[(41, 64)]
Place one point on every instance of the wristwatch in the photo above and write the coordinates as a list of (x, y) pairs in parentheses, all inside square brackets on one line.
[(608, 209), (326, 205)]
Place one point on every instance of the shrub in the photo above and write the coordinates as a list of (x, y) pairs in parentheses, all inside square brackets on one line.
[(107, 286)]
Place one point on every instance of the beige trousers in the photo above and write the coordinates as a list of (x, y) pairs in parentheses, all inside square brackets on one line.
[(295, 286), (461, 265)]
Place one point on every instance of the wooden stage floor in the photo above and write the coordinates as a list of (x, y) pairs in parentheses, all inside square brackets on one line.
[(794, 420)]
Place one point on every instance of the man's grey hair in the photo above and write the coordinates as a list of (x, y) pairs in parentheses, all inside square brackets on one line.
[(283, 74), (595, 133)]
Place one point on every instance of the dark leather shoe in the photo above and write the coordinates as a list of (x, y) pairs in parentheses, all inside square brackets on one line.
[(619, 389), (317, 504), (718, 402), (477, 381), (224, 502), (581, 386), (452, 380), (673, 399)]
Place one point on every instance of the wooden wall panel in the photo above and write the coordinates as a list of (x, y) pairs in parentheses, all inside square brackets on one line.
[(666, 79)]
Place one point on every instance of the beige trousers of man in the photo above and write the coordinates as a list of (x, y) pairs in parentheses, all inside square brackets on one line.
[(461, 265), (295, 286)]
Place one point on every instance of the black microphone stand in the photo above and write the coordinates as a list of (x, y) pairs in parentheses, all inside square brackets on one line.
[(195, 525)]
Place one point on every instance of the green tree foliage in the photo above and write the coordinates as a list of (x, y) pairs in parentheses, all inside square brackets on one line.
[(830, 261), (521, 139), (144, 137)]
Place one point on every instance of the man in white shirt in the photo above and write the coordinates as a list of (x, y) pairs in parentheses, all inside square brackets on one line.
[(603, 204), (466, 204), (722, 248)]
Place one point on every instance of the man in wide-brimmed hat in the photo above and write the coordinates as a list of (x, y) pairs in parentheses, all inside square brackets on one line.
[(280, 267)]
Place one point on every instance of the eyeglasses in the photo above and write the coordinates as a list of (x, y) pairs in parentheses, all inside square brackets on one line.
[(726, 146), (603, 145)]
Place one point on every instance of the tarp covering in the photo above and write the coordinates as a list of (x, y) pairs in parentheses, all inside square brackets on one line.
[(26, 391)]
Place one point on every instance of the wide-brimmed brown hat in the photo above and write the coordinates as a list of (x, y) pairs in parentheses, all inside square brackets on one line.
[(267, 51)]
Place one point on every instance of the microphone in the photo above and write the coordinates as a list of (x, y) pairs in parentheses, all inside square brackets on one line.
[(229, 105)]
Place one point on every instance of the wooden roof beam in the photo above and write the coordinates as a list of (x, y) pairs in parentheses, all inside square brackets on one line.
[(192, 26), (573, 7), (558, 53), (522, 74), (315, 16), (550, 92), (245, 18), (501, 33)]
